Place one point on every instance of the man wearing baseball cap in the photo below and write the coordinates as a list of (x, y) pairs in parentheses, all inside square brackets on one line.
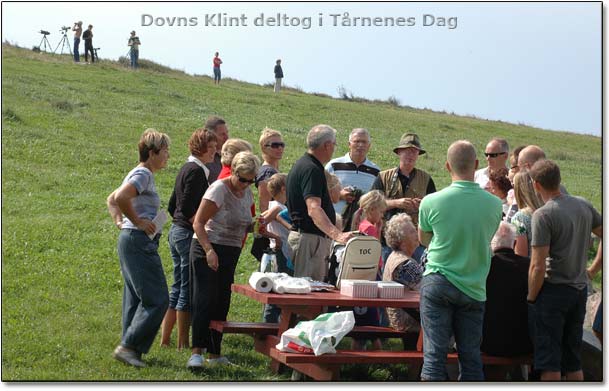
[(405, 185)]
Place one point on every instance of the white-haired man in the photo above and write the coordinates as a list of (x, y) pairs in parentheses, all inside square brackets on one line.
[(506, 333), (457, 224), (311, 208), (496, 153), (355, 171)]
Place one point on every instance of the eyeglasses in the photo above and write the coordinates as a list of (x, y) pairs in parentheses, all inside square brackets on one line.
[(245, 180), (495, 154), (275, 145)]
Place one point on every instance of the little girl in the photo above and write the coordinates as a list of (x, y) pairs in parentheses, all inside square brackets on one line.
[(369, 220)]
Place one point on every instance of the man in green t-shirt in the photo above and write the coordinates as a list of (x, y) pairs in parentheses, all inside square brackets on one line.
[(457, 225)]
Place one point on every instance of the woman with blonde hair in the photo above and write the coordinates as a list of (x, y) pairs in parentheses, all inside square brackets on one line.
[(231, 147), (271, 147), (133, 207), (528, 202), (221, 222)]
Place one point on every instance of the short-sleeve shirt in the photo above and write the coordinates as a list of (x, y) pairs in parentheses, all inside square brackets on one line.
[(229, 225), (264, 174), (463, 218), (217, 62), (350, 174), (276, 228), (522, 221), (564, 223), (307, 179), (147, 202)]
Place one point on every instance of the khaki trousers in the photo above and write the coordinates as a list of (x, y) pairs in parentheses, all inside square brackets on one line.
[(310, 255)]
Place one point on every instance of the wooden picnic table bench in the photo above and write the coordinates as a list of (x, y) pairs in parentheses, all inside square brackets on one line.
[(260, 328), (327, 366)]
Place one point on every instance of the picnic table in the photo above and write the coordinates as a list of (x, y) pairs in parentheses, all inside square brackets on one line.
[(326, 367)]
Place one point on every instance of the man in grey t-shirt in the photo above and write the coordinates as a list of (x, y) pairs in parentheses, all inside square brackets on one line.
[(557, 275)]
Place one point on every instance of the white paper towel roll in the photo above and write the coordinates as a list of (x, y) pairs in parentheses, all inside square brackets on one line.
[(260, 282)]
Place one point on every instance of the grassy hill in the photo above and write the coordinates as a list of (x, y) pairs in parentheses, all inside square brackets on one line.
[(69, 135)]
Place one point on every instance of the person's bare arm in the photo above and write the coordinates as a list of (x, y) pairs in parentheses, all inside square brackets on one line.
[(425, 237), (537, 270), (122, 198), (264, 197), (522, 246), (597, 264), (207, 209), (321, 220)]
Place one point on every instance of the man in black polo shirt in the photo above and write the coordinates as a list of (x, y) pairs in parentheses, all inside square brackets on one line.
[(311, 208)]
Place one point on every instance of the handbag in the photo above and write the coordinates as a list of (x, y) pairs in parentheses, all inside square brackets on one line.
[(258, 246)]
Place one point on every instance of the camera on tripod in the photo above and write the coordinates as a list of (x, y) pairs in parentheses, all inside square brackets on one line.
[(44, 32)]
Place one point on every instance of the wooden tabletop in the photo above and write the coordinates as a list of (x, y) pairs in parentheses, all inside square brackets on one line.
[(333, 298)]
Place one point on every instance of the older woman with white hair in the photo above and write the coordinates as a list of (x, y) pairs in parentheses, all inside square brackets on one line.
[(401, 236), (221, 222), (133, 207)]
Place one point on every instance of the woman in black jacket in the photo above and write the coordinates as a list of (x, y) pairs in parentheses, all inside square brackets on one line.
[(191, 183)]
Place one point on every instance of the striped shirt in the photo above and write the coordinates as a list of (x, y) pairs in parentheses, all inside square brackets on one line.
[(350, 174)]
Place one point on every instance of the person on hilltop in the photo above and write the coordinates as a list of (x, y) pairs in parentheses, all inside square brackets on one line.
[(133, 207), (457, 224), (356, 173), (88, 37), (405, 186), (220, 224), (558, 277), (190, 185), (218, 126), (217, 74), (310, 207), (496, 153), (278, 76), (77, 28), (134, 53)]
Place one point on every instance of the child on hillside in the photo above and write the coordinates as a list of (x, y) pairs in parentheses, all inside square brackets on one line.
[(369, 220)]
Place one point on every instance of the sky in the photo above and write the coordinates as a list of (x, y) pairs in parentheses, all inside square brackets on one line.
[(538, 64)]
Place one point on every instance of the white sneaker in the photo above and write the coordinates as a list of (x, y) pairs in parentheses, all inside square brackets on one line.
[(128, 356), (219, 361), (195, 361)]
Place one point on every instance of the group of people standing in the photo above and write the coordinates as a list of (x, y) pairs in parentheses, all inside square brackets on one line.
[(87, 35), (455, 245)]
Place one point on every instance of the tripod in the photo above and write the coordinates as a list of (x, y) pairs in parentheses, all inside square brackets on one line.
[(95, 53), (44, 42), (64, 42)]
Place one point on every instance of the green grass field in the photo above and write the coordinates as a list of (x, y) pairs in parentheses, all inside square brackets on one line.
[(69, 136)]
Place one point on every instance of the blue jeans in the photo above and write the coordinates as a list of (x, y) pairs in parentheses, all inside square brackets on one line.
[(76, 53), (134, 54), (271, 312), (446, 310), (217, 74), (556, 322), (145, 297), (179, 244)]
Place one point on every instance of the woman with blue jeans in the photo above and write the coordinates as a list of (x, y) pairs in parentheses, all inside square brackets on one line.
[(133, 207), (190, 185)]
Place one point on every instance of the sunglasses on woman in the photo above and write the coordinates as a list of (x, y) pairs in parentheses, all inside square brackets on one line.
[(245, 180), (276, 145)]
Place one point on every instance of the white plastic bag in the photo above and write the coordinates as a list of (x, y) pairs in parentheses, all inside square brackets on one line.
[(317, 336), (282, 283)]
